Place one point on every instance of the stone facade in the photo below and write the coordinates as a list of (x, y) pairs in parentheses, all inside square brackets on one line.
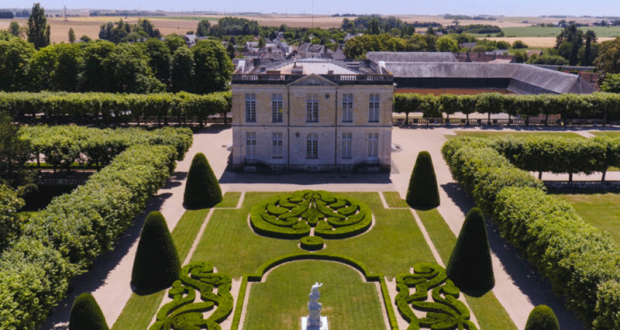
[(324, 125)]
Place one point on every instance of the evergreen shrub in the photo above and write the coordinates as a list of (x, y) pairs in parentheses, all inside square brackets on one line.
[(86, 314), (423, 192), (542, 318), (202, 189)]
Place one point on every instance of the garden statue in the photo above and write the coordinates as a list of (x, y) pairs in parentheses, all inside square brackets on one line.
[(314, 321)]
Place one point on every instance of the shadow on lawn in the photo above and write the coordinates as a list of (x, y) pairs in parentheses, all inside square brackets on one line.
[(524, 277), (103, 266)]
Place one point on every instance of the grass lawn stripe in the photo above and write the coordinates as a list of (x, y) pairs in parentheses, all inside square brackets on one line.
[(600, 210), (489, 312), (393, 199)]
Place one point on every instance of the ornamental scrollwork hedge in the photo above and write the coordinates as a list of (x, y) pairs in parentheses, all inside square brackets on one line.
[(184, 312), (445, 311), (292, 216)]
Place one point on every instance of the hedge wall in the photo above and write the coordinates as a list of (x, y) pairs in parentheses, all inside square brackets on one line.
[(63, 240), (603, 105), (117, 107), (581, 261)]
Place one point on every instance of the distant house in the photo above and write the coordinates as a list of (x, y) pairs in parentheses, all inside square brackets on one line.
[(191, 39), (468, 45)]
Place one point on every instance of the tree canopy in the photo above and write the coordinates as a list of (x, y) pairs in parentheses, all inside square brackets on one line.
[(38, 30)]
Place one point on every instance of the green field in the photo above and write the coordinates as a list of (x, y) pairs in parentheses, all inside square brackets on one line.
[(600, 210), (538, 31), (483, 134), (611, 134), (186, 18), (279, 303)]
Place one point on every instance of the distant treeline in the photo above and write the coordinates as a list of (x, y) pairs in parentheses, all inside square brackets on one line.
[(6, 14), (481, 18)]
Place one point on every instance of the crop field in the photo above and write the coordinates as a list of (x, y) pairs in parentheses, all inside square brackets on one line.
[(538, 31)]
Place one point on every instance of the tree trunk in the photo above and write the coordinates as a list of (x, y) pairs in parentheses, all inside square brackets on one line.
[(489, 119), (540, 175), (225, 119), (547, 120), (570, 177), (604, 173), (527, 120), (406, 118), (467, 119), (509, 119)]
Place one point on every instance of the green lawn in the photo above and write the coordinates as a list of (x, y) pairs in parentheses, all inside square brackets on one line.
[(600, 210), (483, 134), (489, 311), (139, 310), (390, 247), (612, 134), (280, 302), (393, 199)]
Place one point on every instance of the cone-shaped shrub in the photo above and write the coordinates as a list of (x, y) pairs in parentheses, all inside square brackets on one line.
[(202, 189), (86, 314), (157, 262), (542, 318), (470, 266), (423, 192)]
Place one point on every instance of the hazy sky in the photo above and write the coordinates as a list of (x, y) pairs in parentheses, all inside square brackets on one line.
[(423, 7)]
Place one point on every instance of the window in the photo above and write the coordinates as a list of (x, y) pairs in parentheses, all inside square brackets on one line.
[(276, 108), (347, 108), (250, 144), (373, 145), (250, 107), (312, 108), (373, 108), (347, 144), (312, 146), (276, 146)]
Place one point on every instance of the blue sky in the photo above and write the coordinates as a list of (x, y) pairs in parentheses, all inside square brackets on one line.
[(421, 7)]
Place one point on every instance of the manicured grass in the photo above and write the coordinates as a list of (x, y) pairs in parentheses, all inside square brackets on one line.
[(483, 134), (231, 199), (611, 134), (393, 199), (488, 310), (390, 247), (140, 309), (280, 302), (600, 210)]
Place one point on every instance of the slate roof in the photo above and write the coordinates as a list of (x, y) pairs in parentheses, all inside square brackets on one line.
[(524, 78), (411, 57)]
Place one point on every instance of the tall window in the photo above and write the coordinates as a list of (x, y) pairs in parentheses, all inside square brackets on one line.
[(373, 108), (276, 108), (373, 145), (250, 107), (312, 108), (250, 144), (347, 108), (347, 144), (276, 147), (312, 146)]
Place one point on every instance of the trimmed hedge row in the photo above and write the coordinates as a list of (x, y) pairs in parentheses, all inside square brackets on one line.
[(568, 105), (445, 312), (62, 146), (63, 240), (118, 107), (312, 243), (581, 261), (291, 216), (182, 313), (264, 268)]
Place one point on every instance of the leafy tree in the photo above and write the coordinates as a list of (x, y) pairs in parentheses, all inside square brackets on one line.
[(85, 38), (41, 70), (202, 188), (568, 43), (157, 262), (203, 28), (182, 70), (86, 314), (14, 153), (261, 42), (470, 266), (10, 220), (447, 44), (94, 75), (174, 42), (230, 49), (608, 60), (38, 30), (71, 35), (144, 25), (611, 83), (518, 44), (213, 68), (14, 29), (587, 59), (542, 318), (159, 59), (423, 192), (15, 56), (129, 71), (67, 69)]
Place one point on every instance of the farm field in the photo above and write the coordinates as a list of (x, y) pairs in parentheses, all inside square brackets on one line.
[(482, 134), (538, 31), (600, 210)]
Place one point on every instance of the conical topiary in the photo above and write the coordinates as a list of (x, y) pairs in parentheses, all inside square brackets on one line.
[(542, 318), (423, 192), (86, 314), (470, 266), (202, 189), (157, 262)]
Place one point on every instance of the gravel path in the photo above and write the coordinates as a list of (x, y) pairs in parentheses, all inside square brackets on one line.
[(518, 287)]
